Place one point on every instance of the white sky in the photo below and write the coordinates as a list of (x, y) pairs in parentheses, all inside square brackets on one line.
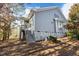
[(26, 12), (65, 9)]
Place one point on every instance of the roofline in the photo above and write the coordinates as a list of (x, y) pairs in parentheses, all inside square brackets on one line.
[(44, 8), (62, 14)]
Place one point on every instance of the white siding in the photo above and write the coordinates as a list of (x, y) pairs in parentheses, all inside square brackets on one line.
[(43, 23), (33, 23)]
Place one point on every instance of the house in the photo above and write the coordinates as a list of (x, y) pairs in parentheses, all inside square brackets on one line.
[(44, 22)]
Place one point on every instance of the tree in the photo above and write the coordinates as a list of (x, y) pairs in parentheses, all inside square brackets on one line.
[(5, 20), (8, 14), (73, 23)]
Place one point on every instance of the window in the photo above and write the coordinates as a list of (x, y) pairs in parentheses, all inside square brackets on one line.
[(56, 16)]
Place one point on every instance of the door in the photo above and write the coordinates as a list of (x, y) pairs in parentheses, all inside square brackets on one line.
[(22, 35)]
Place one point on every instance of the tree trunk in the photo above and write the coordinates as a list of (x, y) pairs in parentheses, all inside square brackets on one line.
[(6, 33)]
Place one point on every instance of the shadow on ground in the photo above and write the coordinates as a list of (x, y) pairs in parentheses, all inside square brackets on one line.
[(43, 48)]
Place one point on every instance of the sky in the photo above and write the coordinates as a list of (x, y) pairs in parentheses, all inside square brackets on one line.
[(64, 7), (43, 4)]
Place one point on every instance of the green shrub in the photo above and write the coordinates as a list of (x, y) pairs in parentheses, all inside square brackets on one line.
[(69, 34), (73, 35), (77, 36), (52, 38)]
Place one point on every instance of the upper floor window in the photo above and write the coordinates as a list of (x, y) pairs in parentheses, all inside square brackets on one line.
[(56, 15)]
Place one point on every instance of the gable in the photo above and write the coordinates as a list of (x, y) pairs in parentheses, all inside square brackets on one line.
[(56, 12), (58, 15)]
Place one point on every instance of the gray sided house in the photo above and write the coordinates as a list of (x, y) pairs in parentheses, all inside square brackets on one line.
[(44, 22)]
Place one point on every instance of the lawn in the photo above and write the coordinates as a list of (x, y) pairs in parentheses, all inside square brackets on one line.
[(65, 47)]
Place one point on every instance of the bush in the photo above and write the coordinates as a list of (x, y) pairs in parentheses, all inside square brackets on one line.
[(70, 34), (52, 38), (77, 36), (73, 35)]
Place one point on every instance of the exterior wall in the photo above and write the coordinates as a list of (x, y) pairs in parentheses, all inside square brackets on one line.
[(15, 33), (42, 21), (32, 22), (44, 24)]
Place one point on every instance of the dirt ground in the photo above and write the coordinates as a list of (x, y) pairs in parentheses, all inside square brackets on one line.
[(65, 47)]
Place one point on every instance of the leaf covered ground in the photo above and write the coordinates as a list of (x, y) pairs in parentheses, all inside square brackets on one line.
[(64, 47)]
